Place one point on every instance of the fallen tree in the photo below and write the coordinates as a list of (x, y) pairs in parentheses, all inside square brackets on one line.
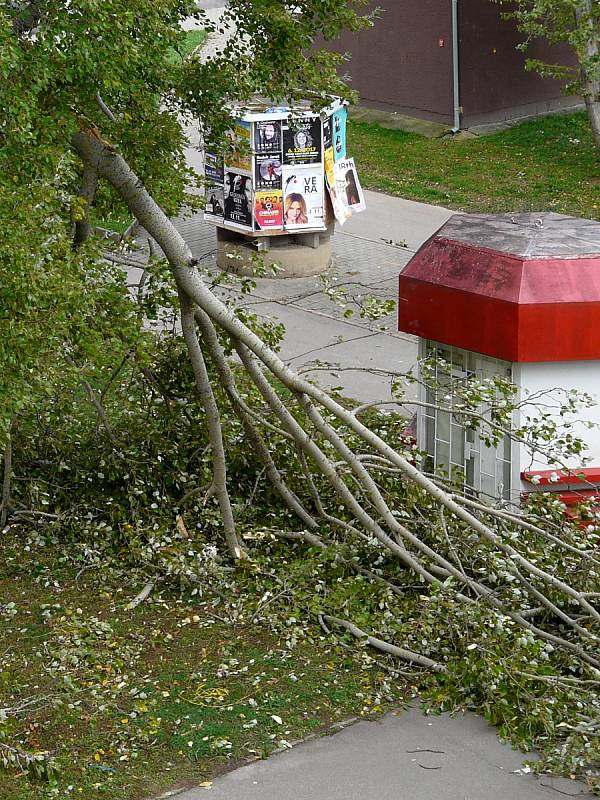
[(512, 588)]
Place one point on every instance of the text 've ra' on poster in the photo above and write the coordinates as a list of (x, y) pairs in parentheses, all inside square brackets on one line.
[(302, 197), (338, 133), (267, 137), (238, 199), (302, 141), (347, 186), (267, 172), (213, 168), (268, 209), (215, 201), (239, 155)]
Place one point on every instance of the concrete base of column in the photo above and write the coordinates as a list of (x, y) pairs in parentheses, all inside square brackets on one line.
[(296, 255)]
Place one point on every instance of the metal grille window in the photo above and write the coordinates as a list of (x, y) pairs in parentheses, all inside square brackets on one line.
[(458, 451)]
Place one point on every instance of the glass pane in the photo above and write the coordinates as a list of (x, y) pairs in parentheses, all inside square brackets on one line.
[(442, 457), (488, 485), (458, 444), (506, 478), (443, 426), (429, 436), (470, 473)]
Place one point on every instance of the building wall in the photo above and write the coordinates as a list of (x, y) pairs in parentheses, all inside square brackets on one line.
[(398, 65), (494, 83), (404, 63), (584, 376)]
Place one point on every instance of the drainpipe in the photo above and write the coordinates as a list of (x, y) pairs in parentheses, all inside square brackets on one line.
[(455, 66)]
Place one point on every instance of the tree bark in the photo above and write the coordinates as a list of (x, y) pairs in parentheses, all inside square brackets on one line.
[(89, 181), (213, 418), (6, 480), (590, 83)]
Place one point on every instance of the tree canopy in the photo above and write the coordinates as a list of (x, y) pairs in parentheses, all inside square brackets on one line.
[(94, 100)]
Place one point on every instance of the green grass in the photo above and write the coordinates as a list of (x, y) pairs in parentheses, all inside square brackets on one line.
[(170, 694), (193, 39), (548, 164)]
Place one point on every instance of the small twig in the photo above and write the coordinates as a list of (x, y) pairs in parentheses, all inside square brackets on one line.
[(139, 599), (104, 108), (385, 647)]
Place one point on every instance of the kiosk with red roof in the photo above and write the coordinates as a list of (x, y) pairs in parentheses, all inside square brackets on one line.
[(516, 295)]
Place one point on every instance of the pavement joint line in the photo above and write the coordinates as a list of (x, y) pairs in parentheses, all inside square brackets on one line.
[(382, 242), (331, 344), (392, 334)]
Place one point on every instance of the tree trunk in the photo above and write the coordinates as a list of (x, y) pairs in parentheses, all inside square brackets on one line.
[(213, 419), (590, 75), (87, 192), (6, 480)]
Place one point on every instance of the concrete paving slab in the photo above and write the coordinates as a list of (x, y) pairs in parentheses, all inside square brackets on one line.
[(408, 756), (396, 219), (350, 349)]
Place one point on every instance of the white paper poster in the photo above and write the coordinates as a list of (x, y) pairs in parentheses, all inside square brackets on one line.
[(302, 197), (348, 191)]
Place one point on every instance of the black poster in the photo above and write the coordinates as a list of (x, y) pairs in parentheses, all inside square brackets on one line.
[(302, 141), (267, 136), (327, 137), (267, 172), (238, 199)]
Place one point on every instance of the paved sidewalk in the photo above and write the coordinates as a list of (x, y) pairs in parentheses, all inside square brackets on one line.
[(368, 254), (408, 756)]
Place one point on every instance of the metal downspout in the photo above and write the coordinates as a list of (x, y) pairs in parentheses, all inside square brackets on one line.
[(455, 67)]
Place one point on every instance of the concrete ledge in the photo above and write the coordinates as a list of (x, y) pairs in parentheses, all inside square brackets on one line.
[(399, 122), (295, 255)]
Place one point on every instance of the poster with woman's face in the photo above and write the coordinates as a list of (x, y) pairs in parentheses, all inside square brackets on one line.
[(302, 141), (215, 202), (267, 137), (347, 186), (302, 197)]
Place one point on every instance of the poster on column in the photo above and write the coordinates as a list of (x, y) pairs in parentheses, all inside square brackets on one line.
[(303, 197), (327, 133), (302, 141), (268, 209), (213, 168), (267, 137), (267, 172), (238, 199), (348, 190), (338, 120), (239, 155), (215, 202)]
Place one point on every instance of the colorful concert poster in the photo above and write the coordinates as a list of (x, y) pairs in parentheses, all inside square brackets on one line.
[(215, 202), (213, 167), (239, 156), (338, 120), (238, 199), (267, 136), (267, 172), (268, 209), (303, 197), (302, 141), (329, 161), (327, 133), (347, 186)]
